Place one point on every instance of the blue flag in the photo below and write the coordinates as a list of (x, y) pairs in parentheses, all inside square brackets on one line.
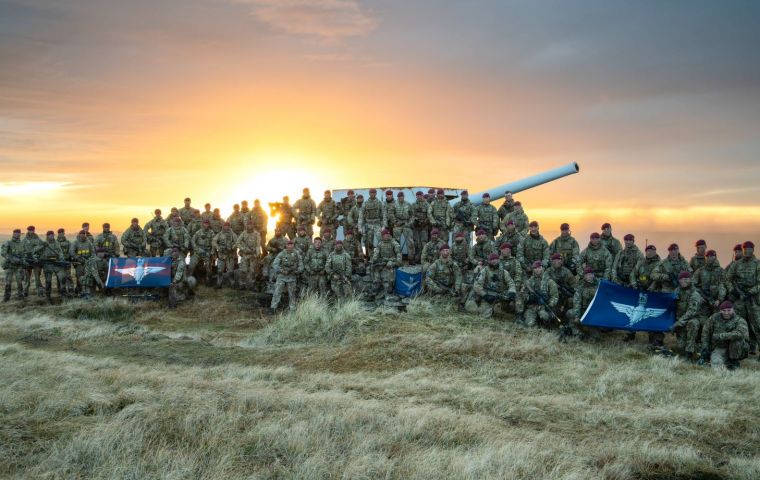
[(408, 281), (147, 272), (623, 308)]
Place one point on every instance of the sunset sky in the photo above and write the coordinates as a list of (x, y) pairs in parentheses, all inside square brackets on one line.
[(109, 108)]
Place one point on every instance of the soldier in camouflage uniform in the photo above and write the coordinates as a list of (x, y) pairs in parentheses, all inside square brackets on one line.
[(245, 211), (688, 321), (507, 207), (133, 240), (698, 260), (82, 253), (183, 285), (304, 211), (641, 279), (565, 281), (224, 248), (385, 259), (539, 298), (441, 215), (260, 219), (465, 216), (91, 277), (338, 269), (737, 256), (512, 236), (154, 231), (725, 337), (626, 261), (249, 248), (597, 257), (177, 236), (13, 264), (609, 242), (236, 220), (286, 268), (666, 273), (420, 225), (207, 213), (354, 249), (203, 251), (32, 245), (108, 244), (533, 248), (174, 213), (302, 241), (460, 254), (519, 217), (276, 245), (314, 268), (710, 282), (371, 221), (352, 222), (187, 212), (401, 220), (388, 210), (584, 294), (344, 210), (510, 263), (285, 221), (444, 277), (68, 284), (487, 217), (568, 247), (217, 222), (481, 250), (86, 228), (328, 241), (493, 289), (743, 278), (431, 249)]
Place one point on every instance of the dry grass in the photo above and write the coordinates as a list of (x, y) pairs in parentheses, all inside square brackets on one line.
[(215, 390)]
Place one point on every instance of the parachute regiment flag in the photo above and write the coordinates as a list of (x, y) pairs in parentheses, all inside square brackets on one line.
[(148, 272), (623, 308)]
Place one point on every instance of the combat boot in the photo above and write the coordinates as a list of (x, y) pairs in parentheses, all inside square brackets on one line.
[(7, 295)]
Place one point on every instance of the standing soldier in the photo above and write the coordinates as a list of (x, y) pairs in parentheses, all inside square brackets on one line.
[(182, 284), (86, 228), (32, 245), (275, 245), (108, 245), (487, 217), (286, 267), (314, 268), (584, 294), (388, 210), (260, 219), (285, 221), (352, 221), (724, 338), (519, 217), (217, 222), (698, 260), (737, 256), (134, 240), (13, 264), (507, 207), (53, 261), (302, 241), (344, 209), (65, 245), (338, 269), (510, 264), (440, 215), (626, 261), (249, 248), (669, 268), (597, 257), (710, 282), (203, 251), (187, 212), (305, 211), (641, 279), (385, 259), (80, 252), (154, 231), (533, 248), (177, 236), (688, 322), (568, 247), (539, 298), (371, 221), (565, 281), (465, 216), (401, 224), (194, 225), (244, 210), (744, 281), (174, 213), (512, 236), (207, 213), (420, 225), (90, 275), (444, 277), (236, 220), (609, 242), (430, 250), (493, 289), (224, 248)]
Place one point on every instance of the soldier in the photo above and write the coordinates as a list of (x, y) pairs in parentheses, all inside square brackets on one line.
[(286, 268), (249, 248), (224, 248), (666, 273), (133, 240), (533, 248), (481, 250), (388, 210), (344, 209), (86, 228), (710, 282), (274, 246), (401, 224), (177, 236), (32, 245), (430, 250), (80, 251), (724, 338), (338, 270), (90, 275), (641, 275), (444, 277), (207, 213), (626, 261), (305, 210), (565, 281), (13, 264), (512, 236), (195, 225), (493, 289), (487, 217), (302, 241), (698, 260), (385, 259), (430, 195), (183, 285), (187, 212), (217, 222), (354, 249), (154, 231), (440, 215), (285, 221), (507, 207), (245, 211), (353, 220), (260, 219), (460, 254), (597, 257), (737, 256), (314, 268), (465, 216), (609, 242), (584, 294), (65, 245), (236, 220), (108, 245), (328, 242), (203, 251), (511, 264), (420, 225), (743, 278), (174, 213), (568, 247), (539, 298), (519, 217), (688, 321), (371, 221)]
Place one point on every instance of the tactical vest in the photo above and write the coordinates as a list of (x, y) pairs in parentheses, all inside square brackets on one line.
[(387, 250), (372, 211), (709, 280), (744, 273), (276, 245), (628, 259), (534, 248), (644, 273), (316, 259), (464, 212), (249, 243), (481, 250), (402, 212), (512, 266), (439, 207), (204, 240), (430, 251), (177, 237), (494, 279), (51, 251), (566, 248), (107, 241), (225, 243), (351, 247), (288, 262), (186, 214), (82, 249), (340, 262), (237, 223), (459, 254), (419, 210), (64, 244), (286, 214), (596, 258), (302, 244), (157, 227), (443, 272), (487, 217)]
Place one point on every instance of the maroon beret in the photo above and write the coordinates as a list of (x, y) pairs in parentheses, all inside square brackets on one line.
[(700, 242), (60, 230), (389, 192), (419, 192), (564, 226), (726, 304), (684, 274), (486, 195), (738, 247), (533, 224), (493, 256), (748, 244), (18, 230), (106, 225), (673, 246), (651, 247), (372, 190), (400, 194), (459, 235), (510, 222), (157, 211), (385, 232), (445, 246), (481, 232), (505, 246), (338, 242), (360, 196), (50, 232), (711, 253), (350, 192), (326, 230), (588, 270), (518, 204), (135, 220), (557, 256), (629, 237), (595, 235), (206, 222), (290, 242), (606, 225), (431, 190), (537, 264), (439, 191), (30, 228), (434, 231)]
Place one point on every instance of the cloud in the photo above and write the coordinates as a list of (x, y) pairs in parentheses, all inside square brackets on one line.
[(327, 19)]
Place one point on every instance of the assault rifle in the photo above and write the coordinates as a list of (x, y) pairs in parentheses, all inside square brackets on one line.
[(570, 292), (564, 330), (459, 217), (493, 295), (741, 292)]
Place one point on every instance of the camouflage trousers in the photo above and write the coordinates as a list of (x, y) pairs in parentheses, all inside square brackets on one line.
[(317, 283), (248, 270), (134, 251), (288, 229), (36, 273), (421, 236), (156, 248), (371, 235), (750, 311), (688, 335), (485, 308), (14, 273), (64, 283), (225, 265), (535, 315), (386, 276), (340, 286), (408, 240), (282, 282), (204, 261)]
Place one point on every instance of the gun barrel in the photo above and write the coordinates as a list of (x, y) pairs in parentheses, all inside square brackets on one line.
[(526, 183)]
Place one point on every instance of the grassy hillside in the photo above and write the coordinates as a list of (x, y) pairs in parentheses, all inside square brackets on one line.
[(215, 389)]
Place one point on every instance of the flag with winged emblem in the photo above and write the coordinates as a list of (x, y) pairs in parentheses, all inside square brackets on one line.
[(623, 308), (148, 272), (408, 281)]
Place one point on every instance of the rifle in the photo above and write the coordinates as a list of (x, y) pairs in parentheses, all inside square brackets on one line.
[(570, 292), (493, 295), (461, 219), (741, 292), (543, 302)]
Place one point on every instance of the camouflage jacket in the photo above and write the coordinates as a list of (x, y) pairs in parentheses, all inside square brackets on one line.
[(186, 214), (569, 249), (430, 251), (315, 260), (387, 251), (155, 229), (224, 243), (327, 212), (532, 249), (612, 245), (624, 264), (288, 265), (286, 214), (494, 279), (108, 243), (52, 251), (339, 264), (420, 213), (216, 224), (371, 212), (389, 210), (13, 253), (515, 239), (401, 215), (249, 244), (134, 238), (512, 265), (731, 334), (352, 220), (203, 242), (465, 214), (666, 272), (305, 211), (506, 208), (641, 276), (564, 279), (697, 262), (583, 296), (66, 245), (487, 218), (440, 213), (276, 244), (599, 259), (521, 221), (460, 254), (744, 276), (480, 251), (688, 303), (80, 251), (237, 222), (177, 237), (32, 244), (207, 216), (353, 248), (302, 243), (443, 275), (710, 280), (534, 288)]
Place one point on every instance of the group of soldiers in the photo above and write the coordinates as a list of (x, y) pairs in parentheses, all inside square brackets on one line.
[(509, 266)]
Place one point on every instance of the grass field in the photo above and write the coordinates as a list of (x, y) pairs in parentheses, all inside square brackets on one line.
[(215, 389)]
